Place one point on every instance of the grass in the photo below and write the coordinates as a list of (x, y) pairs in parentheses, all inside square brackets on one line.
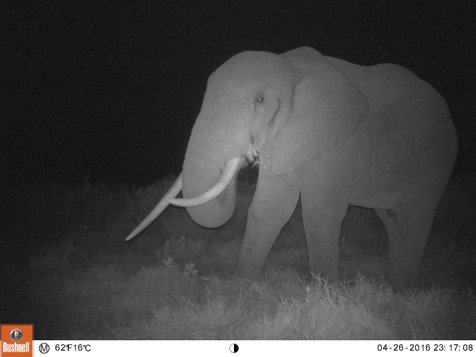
[(69, 271)]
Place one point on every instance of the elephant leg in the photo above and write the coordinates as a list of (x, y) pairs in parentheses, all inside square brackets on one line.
[(408, 227), (273, 204), (323, 211)]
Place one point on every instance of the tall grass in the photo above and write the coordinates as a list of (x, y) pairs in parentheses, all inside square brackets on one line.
[(78, 278)]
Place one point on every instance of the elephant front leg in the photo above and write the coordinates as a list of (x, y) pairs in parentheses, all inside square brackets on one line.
[(323, 211), (272, 206)]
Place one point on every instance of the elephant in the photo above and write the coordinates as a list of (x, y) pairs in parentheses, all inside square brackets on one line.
[(329, 132)]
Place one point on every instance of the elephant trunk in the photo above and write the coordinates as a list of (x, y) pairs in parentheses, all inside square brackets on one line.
[(216, 211), (217, 138)]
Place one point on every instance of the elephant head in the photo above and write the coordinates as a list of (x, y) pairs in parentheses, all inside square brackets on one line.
[(328, 131), (247, 100), (246, 103)]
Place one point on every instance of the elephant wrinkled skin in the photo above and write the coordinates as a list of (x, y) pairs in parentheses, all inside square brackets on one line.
[(331, 132)]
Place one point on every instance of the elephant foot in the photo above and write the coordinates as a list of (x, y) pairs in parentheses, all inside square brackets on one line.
[(249, 272), (403, 280)]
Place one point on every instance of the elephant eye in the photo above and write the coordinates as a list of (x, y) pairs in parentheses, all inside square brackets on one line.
[(259, 99)]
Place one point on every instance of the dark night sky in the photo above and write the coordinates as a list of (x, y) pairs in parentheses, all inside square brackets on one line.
[(113, 91)]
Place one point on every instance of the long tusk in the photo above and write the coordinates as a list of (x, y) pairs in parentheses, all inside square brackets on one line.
[(227, 175), (158, 209)]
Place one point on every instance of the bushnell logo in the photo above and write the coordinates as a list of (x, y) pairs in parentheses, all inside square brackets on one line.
[(17, 340)]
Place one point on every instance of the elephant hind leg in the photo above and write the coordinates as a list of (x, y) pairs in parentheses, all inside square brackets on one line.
[(408, 227)]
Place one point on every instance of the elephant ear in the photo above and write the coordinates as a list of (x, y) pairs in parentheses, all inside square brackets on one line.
[(327, 110)]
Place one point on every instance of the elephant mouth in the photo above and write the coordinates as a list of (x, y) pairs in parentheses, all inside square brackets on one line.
[(253, 155), (227, 175)]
